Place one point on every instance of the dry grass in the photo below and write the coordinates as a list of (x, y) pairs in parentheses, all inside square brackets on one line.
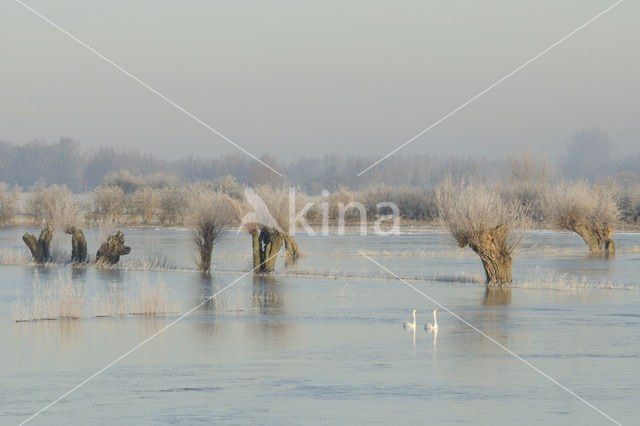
[(61, 299), (112, 302), (15, 257), (152, 300), (156, 262), (561, 282)]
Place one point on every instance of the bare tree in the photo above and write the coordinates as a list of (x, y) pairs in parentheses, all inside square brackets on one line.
[(8, 204), (61, 209), (208, 215), (34, 206), (147, 201), (109, 202), (477, 216), (527, 167), (173, 201), (589, 211), (527, 180)]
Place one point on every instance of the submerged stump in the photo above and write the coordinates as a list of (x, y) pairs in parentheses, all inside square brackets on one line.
[(39, 248), (78, 244), (109, 252)]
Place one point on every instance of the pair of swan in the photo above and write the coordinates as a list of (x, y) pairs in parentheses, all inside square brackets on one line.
[(429, 327)]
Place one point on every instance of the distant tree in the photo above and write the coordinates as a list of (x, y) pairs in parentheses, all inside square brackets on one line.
[(526, 181), (108, 202), (524, 166), (172, 204), (589, 154), (262, 175), (8, 204), (147, 201)]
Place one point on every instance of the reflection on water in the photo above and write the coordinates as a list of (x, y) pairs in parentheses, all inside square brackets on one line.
[(78, 273), (57, 333), (266, 299), (497, 296), (435, 339), (290, 260), (111, 274)]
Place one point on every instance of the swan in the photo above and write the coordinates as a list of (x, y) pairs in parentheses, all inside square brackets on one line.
[(411, 324), (434, 326)]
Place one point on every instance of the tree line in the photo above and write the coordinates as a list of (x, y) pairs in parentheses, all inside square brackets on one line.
[(587, 155)]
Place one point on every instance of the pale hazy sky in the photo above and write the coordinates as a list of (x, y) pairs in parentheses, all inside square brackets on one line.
[(304, 78)]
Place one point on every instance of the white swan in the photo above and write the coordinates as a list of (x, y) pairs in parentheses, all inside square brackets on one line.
[(411, 324), (434, 326)]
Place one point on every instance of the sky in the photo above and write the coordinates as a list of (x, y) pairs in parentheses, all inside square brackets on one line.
[(298, 78)]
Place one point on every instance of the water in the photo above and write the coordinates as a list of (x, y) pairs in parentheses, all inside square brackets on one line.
[(322, 342)]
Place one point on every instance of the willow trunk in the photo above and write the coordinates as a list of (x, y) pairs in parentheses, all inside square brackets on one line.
[(39, 248), (492, 247), (599, 240)]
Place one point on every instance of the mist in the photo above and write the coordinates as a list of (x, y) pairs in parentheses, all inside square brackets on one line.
[(294, 80)]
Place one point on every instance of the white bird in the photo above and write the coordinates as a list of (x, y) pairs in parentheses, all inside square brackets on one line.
[(411, 324), (434, 326)]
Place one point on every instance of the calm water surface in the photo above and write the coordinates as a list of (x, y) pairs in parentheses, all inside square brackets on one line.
[(322, 341)]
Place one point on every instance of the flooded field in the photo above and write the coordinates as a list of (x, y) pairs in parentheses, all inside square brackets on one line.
[(322, 340)]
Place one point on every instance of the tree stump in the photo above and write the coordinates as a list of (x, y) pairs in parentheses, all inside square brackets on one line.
[(497, 296), (39, 248), (270, 242), (109, 253), (78, 244), (266, 243), (292, 246), (255, 246)]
